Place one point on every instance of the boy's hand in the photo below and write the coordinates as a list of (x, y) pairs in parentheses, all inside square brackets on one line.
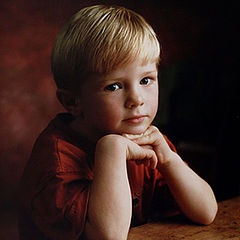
[(152, 138), (141, 154)]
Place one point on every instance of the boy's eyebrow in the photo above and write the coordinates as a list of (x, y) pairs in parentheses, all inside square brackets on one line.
[(150, 72), (155, 72)]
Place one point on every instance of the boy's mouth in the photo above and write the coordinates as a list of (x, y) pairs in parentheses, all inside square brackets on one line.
[(135, 119)]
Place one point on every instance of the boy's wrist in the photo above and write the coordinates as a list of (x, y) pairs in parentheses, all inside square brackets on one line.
[(111, 140), (169, 162), (112, 145)]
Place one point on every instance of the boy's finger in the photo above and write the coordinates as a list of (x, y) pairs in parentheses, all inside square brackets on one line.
[(135, 136), (132, 136), (152, 137), (147, 147), (149, 159), (152, 158), (154, 162), (146, 139)]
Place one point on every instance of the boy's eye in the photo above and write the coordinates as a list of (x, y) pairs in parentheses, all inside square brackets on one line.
[(145, 81), (113, 87)]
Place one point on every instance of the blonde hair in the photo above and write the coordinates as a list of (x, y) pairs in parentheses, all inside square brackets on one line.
[(98, 39)]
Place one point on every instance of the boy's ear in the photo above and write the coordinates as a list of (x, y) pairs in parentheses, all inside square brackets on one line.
[(69, 101)]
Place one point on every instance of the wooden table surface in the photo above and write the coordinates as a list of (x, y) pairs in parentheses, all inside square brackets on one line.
[(225, 226)]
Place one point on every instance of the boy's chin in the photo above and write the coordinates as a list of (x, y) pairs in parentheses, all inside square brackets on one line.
[(136, 132)]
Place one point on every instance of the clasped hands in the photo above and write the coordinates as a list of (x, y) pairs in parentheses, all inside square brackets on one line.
[(149, 148)]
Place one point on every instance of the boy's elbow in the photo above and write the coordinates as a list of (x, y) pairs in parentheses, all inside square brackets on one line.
[(105, 236), (209, 216), (111, 235), (93, 233)]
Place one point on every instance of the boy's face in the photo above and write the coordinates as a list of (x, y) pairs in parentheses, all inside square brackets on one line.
[(123, 101)]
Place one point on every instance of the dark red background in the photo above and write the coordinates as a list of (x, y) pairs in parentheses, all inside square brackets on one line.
[(199, 55)]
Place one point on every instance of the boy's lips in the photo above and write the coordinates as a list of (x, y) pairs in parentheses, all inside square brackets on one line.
[(135, 119)]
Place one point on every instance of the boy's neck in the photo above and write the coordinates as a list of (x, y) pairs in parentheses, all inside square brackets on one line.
[(78, 126)]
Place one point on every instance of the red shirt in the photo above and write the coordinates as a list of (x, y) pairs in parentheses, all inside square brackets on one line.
[(55, 186)]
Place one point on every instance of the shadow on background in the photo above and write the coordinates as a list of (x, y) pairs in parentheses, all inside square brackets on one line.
[(199, 107)]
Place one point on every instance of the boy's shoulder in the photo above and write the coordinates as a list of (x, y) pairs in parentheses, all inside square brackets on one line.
[(59, 134), (58, 149)]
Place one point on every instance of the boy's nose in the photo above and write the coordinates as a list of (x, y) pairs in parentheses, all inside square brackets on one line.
[(134, 99)]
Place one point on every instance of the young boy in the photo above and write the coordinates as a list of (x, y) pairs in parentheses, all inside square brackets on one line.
[(102, 167)]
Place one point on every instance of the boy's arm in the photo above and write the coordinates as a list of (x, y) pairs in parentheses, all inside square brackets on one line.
[(193, 195), (110, 207)]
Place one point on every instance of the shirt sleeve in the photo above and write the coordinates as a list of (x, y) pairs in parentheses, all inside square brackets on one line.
[(59, 207)]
